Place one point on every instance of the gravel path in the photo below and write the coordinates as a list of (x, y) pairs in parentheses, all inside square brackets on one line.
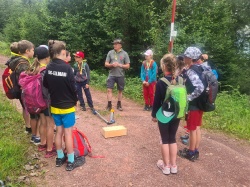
[(131, 160)]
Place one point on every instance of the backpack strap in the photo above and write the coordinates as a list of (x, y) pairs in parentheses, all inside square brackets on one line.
[(166, 81), (180, 80)]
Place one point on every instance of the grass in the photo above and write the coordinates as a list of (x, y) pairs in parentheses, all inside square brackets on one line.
[(232, 115), (14, 144), (4, 48)]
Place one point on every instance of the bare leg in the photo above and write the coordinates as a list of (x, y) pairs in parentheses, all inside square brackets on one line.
[(198, 137), (26, 117), (68, 140), (119, 95), (192, 140), (43, 129), (50, 132), (173, 153), (165, 154), (109, 94), (58, 137), (33, 124)]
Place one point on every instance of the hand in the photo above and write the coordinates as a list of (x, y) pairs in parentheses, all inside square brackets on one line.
[(154, 120), (115, 64), (87, 86), (146, 84)]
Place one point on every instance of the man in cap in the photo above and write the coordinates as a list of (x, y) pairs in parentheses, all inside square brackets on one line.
[(117, 61), (194, 87)]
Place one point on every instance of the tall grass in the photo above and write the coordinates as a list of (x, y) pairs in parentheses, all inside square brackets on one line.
[(232, 114)]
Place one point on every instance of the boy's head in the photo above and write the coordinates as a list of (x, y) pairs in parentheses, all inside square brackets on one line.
[(14, 47), (41, 53), (79, 56), (26, 48)]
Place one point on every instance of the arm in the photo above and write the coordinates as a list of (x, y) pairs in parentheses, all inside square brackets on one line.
[(142, 73), (88, 73), (197, 83), (152, 78)]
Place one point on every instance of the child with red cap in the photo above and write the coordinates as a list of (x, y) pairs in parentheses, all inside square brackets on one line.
[(82, 78)]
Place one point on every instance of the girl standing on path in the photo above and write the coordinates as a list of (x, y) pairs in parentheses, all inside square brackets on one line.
[(148, 77), (46, 127), (167, 130)]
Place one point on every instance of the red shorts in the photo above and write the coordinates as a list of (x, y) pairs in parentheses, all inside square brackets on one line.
[(194, 119)]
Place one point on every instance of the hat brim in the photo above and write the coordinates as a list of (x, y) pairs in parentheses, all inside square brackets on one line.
[(164, 116)]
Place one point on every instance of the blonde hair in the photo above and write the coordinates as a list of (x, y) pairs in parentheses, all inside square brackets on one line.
[(34, 68), (24, 45), (168, 64), (55, 48)]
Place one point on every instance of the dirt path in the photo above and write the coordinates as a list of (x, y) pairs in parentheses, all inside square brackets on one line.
[(131, 160)]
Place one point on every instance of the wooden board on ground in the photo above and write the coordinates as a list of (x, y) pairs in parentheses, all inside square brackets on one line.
[(113, 131)]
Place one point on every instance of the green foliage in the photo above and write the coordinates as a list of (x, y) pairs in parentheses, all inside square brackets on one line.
[(219, 28), (4, 48), (232, 114), (13, 142)]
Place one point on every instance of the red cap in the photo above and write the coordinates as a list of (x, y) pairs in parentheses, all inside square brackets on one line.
[(79, 54)]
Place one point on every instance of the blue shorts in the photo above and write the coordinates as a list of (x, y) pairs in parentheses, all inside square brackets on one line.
[(65, 120)]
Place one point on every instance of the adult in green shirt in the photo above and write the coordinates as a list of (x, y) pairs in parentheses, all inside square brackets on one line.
[(117, 61)]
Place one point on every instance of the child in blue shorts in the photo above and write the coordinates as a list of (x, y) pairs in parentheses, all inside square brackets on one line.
[(59, 79)]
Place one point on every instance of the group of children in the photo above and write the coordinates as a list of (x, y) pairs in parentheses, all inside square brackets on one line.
[(61, 89), (173, 68)]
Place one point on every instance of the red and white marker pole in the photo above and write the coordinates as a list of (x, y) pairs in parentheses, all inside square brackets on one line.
[(173, 33)]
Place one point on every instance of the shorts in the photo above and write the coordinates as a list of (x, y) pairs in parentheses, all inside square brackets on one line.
[(46, 112), (194, 119), (120, 81), (65, 120), (34, 116)]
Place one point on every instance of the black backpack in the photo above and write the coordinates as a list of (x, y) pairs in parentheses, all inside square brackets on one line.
[(206, 101)]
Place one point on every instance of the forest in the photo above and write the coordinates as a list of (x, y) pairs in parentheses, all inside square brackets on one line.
[(220, 28)]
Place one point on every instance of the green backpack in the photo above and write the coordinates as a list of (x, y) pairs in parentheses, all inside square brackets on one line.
[(175, 102)]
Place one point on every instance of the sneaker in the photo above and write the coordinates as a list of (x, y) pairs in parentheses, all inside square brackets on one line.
[(185, 154), (186, 136), (51, 153), (42, 147), (185, 141), (165, 170), (60, 161), (27, 130), (145, 108), (150, 108), (119, 107), (83, 108), (197, 154), (173, 169), (93, 110), (108, 107), (37, 140), (79, 161)]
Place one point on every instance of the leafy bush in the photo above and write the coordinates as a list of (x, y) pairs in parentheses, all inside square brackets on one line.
[(232, 114)]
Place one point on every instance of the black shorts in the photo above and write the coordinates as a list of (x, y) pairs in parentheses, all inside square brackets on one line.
[(120, 81)]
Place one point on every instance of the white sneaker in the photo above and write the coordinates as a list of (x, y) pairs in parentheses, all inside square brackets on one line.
[(165, 170), (173, 169)]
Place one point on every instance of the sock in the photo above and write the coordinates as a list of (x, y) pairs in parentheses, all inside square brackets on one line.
[(109, 103), (119, 103), (60, 153), (196, 151), (71, 157)]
